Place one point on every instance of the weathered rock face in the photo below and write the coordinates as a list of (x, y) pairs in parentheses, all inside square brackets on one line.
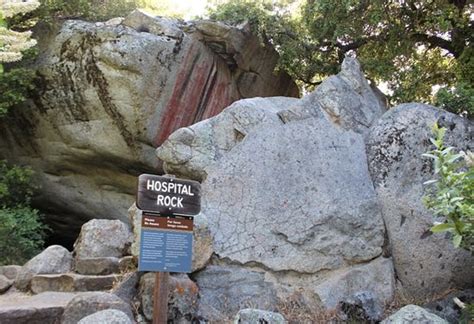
[(286, 190), (112, 92), (426, 264)]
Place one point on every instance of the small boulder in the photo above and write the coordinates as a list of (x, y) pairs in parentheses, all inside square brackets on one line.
[(109, 316), (368, 287), (10, 271), (5, 284), (101, 238), (225, 290), (413, 314), (91, 302), (257, 316), (54, 259)]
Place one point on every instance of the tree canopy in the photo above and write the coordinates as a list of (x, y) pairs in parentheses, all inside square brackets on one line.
[(410, 46)]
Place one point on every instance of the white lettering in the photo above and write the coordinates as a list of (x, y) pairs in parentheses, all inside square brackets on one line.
[(159, 200), (149, 184)]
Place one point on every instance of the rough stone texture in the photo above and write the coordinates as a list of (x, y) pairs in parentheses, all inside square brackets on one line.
[(288, 195), (258, 316), (346, 98), (135, 219), (10, 271), (110, 93), (109, 316), (426, 264), (91, 302), (45, 308), (127, 287), (189, 151), (69, 282), (5, 284), (305, 172), (224, 291), (54, 259), (202, 244), (96, 266), (101, 238), (182, 298), (413, 314), (281, 159), (353, 285)]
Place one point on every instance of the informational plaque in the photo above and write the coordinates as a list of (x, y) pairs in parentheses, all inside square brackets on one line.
[(166, 243)]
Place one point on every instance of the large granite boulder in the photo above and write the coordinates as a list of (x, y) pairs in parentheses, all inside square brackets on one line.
[(426, 264), (53, 260), (101, 238), (110, 93), (287, 192)]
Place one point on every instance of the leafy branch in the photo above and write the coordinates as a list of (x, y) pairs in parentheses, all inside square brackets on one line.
[(452, 192)]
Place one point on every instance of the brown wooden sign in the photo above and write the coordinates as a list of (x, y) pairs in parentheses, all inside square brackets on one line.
[(168, 196)]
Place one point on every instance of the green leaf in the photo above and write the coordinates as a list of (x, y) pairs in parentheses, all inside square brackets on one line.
[(442, 228), (457, 240)]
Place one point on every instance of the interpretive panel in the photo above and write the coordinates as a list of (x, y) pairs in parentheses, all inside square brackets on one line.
[(166, 243)]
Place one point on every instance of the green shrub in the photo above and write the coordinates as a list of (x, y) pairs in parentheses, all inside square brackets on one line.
[(458, 100), (21, 231), (452, 193), (21, 234)]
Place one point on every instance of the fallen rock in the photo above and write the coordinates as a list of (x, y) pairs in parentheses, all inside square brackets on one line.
[(101, 238), (88, 303), (70, 282), (109, 316), (413, 314), (426, 264), (367, 287), (5, 284), (10, 271), (110, 93), (182, 298), (223, 291), (45, 308), (258, 316), (54, 259), (96, 266)]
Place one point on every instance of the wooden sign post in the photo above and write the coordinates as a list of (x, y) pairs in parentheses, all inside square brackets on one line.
[(166, 234)]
